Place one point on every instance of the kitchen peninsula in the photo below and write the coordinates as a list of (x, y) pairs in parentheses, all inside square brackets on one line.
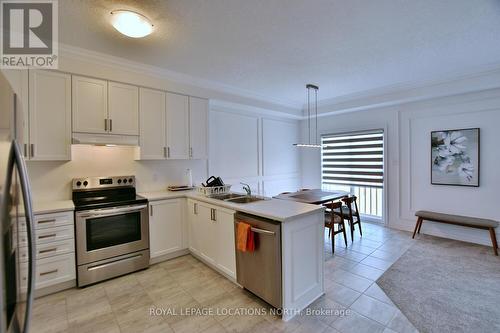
[(211, 239)]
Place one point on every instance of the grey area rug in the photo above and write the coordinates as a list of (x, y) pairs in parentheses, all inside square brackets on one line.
[(443, 285)]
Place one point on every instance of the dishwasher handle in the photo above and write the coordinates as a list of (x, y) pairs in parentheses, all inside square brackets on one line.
[(262, 231)]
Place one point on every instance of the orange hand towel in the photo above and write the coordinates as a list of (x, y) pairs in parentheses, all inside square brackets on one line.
[(245, 238), (250, 241)]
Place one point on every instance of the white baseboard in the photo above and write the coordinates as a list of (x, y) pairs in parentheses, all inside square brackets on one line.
[(215, 268), (464, 234), (55, 288), (168, 256)]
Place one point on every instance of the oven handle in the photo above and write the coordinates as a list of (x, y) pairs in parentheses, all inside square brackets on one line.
[(109, 212)]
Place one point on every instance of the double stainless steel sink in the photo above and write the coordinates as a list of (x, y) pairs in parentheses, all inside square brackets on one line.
[(237, 198)]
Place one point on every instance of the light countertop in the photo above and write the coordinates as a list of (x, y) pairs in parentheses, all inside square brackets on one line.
[(42, 207), (46, 207), (274, 209), (162, 195)]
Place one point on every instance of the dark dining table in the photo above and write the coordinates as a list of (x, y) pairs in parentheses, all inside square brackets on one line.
[(313, 196)]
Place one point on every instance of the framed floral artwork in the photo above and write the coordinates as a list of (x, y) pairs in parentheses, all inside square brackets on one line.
[(455, 157)]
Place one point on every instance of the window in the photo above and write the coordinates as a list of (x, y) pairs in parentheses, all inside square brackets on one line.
[(354, 162)]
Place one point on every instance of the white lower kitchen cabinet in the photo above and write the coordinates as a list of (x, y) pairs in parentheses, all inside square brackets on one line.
[(226, 256), (193, 230), (51, 271), (165, 227), (207, 232), (55, 252), (211, 236)]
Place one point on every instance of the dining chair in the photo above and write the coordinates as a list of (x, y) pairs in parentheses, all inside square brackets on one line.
[(351, 213), (335, 216)]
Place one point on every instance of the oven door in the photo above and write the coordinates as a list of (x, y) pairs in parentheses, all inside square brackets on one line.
[(110, 232)]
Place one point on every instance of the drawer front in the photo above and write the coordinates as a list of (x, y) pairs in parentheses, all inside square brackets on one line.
[(50, 271), (44, 236), (49, 249), (43, 221)]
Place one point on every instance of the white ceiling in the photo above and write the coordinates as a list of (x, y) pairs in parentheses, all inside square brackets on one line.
[(274, 47)]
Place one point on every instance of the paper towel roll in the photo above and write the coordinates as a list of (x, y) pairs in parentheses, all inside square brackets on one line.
[(188, 178)]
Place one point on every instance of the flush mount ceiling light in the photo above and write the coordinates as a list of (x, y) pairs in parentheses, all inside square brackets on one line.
[(131, 24), (310, 87)]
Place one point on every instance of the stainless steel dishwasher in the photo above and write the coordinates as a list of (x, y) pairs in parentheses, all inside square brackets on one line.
[(260, 271)]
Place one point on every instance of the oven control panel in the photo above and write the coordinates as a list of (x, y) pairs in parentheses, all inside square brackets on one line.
[(102, 182)]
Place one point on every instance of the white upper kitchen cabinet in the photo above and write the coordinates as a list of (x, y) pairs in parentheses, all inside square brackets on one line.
[(152, 124), (90, 105), (226, 255), (123, 108), (177, 126), (165, 227), (198, 128), (50, 115), (18, 80)]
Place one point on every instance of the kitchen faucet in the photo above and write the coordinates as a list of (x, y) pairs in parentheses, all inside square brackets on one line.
[(247, 188)]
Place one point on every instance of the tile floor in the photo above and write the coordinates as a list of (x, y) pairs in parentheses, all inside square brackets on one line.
[(354, 301)]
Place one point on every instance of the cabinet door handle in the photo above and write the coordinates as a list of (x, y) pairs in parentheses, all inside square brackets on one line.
[(151, 210), (46, 236), (111, 125), (215, 215), (49, 272), (46, 221), (190, 152), (25, 150), (32, 150), (168, 152), (164, 151), (105, 125), (195, 208), (48, 250)]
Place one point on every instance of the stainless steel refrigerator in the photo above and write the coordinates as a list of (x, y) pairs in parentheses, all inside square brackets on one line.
[(16, 298)]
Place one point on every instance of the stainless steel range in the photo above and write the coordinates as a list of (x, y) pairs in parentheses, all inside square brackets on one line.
[(111, 226)]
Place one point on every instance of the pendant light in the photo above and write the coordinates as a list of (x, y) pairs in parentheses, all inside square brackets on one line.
[(310, 144)]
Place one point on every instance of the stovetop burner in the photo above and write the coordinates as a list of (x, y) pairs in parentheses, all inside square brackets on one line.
[(105, 192)]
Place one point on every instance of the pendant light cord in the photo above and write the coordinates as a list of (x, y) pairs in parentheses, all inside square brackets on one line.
[(309, 144), (316, 108), (308, 115)]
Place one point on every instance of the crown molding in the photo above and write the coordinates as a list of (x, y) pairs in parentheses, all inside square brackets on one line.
[(166, 74), (244, 108), (478, 79), (483, 78)]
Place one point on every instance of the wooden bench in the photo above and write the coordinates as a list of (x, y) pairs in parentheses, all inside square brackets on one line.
[(465, 221)]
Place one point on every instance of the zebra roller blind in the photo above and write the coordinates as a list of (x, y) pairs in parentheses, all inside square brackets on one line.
[(355, 159)]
